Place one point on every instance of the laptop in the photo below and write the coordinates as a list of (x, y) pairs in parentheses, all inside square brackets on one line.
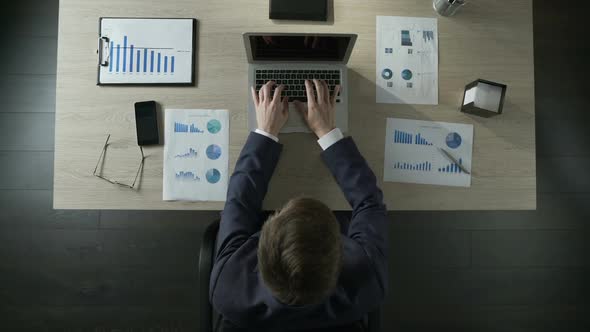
[(290, 59)]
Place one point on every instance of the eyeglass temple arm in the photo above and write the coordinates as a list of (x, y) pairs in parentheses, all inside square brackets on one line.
[(104, 147), (140, 166)]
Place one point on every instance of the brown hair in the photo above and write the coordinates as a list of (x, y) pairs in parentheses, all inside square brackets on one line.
[(300, 252)]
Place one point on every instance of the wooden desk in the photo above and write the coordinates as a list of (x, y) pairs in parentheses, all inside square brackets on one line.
[(488, 39)]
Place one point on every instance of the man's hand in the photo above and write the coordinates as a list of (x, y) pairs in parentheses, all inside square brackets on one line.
[(319, 113), (271, 112)]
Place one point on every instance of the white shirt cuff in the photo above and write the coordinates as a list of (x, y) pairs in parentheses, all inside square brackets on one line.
[(264, 133), (330, 138)]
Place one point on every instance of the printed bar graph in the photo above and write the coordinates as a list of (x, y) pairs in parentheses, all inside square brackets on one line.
[(187, 176), (424, 167), (192, 153), (180, 128), (428, 36), (421, 140), (402, 137), (185, 128), (194, 129), (452, 168), (127, 59)]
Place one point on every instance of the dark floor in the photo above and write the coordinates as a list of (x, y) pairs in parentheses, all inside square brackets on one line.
[(135, 271)]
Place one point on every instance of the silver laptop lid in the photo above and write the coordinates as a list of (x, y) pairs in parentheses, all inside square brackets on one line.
[(299, 47)]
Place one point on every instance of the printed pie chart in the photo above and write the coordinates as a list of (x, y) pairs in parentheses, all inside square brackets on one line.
[(214, 126), (213, 151), (213, 175), (407, 74), (453, 140), (387, 74)]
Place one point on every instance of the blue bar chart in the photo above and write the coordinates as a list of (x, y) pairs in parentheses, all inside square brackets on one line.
[(187, 176), (194, 129), (185, 128), (402, 137), (421, 140), (424, 167), (125, 58), (147, 51), (452, 168), (428, 36), (416, 152), (192, 153)]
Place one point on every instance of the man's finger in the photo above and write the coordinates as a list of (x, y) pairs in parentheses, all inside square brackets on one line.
[(286, 105), (267, 91), (278, 92), (335, 94), (255, 97), (319, 87), (310, 93), (316, 41), (326, 90)]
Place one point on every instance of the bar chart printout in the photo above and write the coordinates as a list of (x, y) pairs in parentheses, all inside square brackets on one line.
[(147, 51), (452, 168), (412, 152), (424, 167), (196, 162)]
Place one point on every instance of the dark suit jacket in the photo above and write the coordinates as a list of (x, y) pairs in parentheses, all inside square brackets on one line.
[(237, 290)]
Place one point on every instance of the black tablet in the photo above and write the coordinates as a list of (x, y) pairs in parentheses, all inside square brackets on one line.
[(304, 10)]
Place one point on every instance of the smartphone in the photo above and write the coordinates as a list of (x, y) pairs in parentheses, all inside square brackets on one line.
[(146, 121)]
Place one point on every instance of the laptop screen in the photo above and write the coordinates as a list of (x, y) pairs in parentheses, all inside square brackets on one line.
[(308, 48)]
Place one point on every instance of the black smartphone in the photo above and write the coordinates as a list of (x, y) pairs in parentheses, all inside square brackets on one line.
[(146, 121)]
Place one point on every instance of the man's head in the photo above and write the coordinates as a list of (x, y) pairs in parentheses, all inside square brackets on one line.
[(300, 252)]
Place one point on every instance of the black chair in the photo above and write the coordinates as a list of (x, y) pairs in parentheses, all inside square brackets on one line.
[(208, 317)]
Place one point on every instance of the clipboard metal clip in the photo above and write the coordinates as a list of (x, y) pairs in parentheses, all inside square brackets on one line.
[(103, 48)]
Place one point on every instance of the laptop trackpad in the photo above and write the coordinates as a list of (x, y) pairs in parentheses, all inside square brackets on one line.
[(295, 124)]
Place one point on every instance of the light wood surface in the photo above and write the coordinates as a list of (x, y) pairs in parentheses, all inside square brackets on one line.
[(488, 39)]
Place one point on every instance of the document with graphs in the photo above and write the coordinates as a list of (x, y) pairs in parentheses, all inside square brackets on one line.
[(196, 157), (413, 152), (407, 60), (146, 51)]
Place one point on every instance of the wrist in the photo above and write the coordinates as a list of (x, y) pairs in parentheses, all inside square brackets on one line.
[(323, 131), (269, 131)]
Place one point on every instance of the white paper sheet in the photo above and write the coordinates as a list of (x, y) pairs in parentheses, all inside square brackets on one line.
[(144, 51), (412, 155), (407, 60), (196, 155)]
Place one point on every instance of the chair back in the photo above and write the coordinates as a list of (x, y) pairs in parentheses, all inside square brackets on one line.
[(206, 312)]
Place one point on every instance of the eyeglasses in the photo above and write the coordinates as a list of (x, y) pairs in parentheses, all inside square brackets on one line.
[(99, 175)]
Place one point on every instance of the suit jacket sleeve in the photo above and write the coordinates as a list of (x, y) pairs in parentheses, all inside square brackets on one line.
[(240, 218), (369, 223)]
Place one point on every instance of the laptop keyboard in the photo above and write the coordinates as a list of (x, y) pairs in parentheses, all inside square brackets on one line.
[(294, 81)]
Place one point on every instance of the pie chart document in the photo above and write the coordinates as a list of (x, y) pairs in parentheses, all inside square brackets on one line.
[(196, 158), (412, 152), (407, 60)]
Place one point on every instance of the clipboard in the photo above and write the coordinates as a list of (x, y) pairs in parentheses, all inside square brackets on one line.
[(146, 51)]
